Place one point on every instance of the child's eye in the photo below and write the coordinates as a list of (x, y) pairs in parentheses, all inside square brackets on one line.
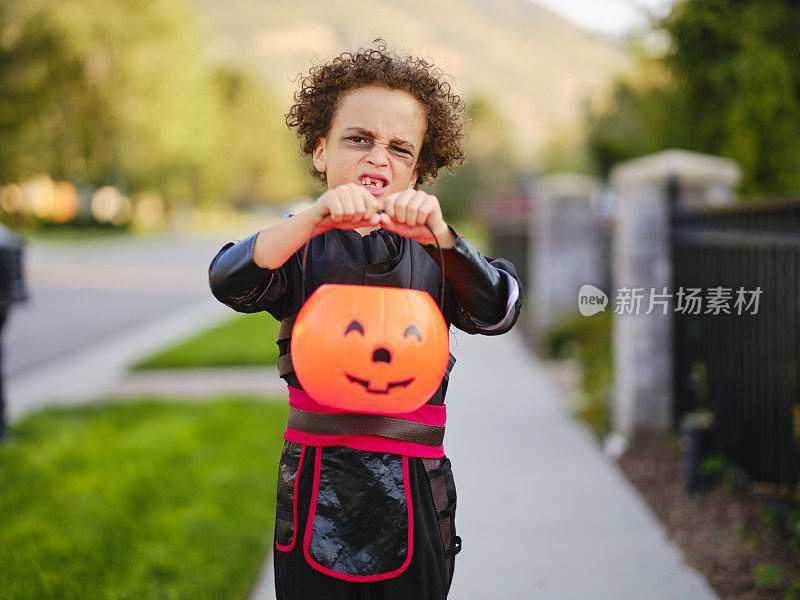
[(357, 139), (401, 150)]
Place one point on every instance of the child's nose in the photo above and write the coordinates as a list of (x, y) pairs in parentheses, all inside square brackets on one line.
[(378, 155)]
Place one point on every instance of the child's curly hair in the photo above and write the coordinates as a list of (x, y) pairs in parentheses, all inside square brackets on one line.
[(316, 101)]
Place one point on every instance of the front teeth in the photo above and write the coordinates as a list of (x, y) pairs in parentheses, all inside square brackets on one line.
[(378, 183)]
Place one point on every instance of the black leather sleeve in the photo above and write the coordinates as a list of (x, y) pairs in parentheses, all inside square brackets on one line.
[(483, 295), (237, 281)]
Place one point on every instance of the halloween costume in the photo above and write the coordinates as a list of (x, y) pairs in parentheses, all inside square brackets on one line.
[(366, 503)]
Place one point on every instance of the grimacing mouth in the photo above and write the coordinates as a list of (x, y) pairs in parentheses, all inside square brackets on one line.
[(365, 384)]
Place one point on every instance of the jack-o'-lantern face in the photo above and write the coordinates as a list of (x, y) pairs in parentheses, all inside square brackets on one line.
[(370, 349)]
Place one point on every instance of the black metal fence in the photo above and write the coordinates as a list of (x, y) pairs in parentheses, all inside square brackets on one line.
[(737, 359)]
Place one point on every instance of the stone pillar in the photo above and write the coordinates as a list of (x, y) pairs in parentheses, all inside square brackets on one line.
[(566, 247), (641, 259)]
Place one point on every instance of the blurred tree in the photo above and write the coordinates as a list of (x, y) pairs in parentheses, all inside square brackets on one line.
[(641, 120), (115, 92), (489, 168), (736, 62), (100, 91), (733, 88), (257, 155), (566, 150)]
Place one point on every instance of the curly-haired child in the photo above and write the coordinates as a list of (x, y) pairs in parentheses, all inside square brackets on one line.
[(366, 507)]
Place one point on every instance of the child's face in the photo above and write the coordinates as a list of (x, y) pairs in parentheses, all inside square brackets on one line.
[(376, 133)]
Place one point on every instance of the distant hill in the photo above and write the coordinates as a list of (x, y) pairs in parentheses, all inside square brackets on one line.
[(534, 65)]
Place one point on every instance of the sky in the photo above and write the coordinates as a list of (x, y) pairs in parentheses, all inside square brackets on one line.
[(611, 17)]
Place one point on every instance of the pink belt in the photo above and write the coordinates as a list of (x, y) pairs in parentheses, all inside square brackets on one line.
[(418, 433)]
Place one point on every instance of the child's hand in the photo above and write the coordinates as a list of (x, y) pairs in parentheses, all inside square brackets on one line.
[(406, 213), (347, 206)]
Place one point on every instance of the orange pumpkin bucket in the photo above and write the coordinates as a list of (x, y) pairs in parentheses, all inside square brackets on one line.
[(370, 349)]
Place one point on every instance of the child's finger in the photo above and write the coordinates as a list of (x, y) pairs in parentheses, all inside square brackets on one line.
[(388, 204), (348, 206), (412, 210), (428, 207), (400, 205), (359, 204), (335, 208)]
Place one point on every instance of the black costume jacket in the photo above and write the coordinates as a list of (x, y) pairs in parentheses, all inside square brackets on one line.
[(360, 529)]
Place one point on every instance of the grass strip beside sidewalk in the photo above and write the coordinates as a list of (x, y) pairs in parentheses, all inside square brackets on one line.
[(139, 500), (243, 340)]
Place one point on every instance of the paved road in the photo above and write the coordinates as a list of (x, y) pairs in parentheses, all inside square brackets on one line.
[(98, 305), (86, 292)]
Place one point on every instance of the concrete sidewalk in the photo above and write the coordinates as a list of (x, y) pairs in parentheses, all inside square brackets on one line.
[(197, 383), (98, 369), (542, 513)]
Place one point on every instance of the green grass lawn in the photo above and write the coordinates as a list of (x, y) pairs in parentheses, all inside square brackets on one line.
[(245, 339), (52, 232), (139, 500)]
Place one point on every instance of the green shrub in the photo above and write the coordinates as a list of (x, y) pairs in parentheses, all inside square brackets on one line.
[(793, 593), (712, 466), (768, 576), (589, 340)]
